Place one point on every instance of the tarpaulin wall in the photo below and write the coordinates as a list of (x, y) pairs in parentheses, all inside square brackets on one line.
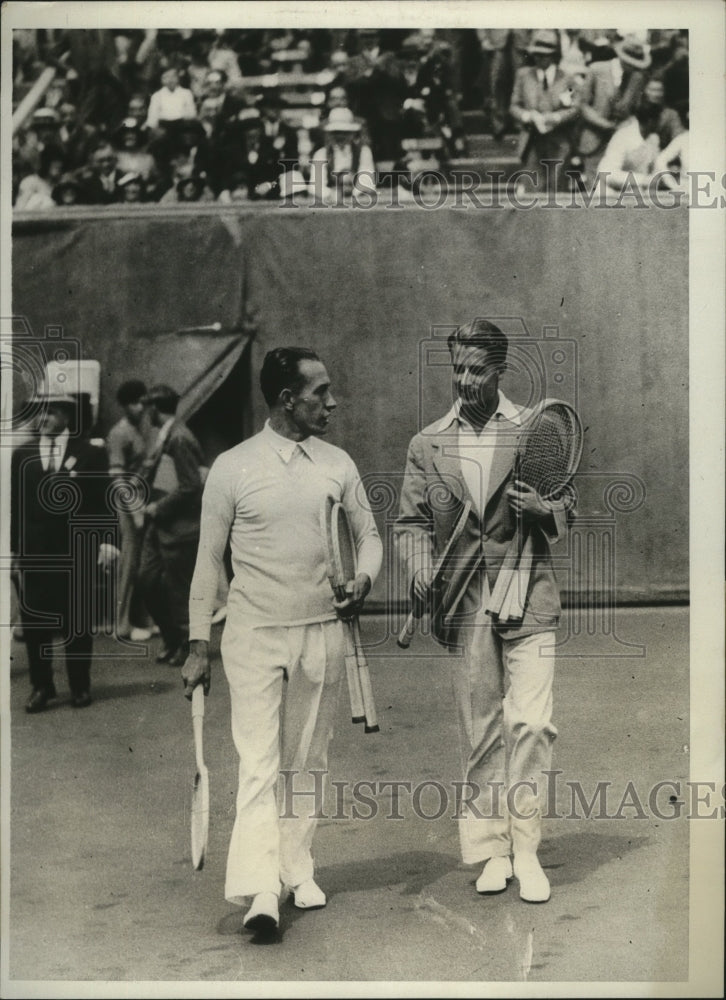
[(595, 302)]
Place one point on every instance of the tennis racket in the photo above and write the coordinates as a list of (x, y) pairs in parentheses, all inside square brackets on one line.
[(548, 456), (409, 627), (342, 568), (200, 790)]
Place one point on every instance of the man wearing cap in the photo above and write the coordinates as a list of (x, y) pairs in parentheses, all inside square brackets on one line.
[(63, 529), (282, 647), (335, 166), (171, 532), (610, 94), (545, 103)]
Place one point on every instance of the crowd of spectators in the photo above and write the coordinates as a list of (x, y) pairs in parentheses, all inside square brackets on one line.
[(238, 115)]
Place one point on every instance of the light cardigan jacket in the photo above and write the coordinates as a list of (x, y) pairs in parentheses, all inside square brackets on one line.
[(432, 498)]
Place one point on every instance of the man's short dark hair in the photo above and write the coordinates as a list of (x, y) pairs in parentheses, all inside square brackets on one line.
[(281, 370), (483, 334), (163, 397), (129, 392)]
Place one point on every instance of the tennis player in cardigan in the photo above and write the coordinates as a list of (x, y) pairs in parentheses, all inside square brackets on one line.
[(282, 646), (502, 673)]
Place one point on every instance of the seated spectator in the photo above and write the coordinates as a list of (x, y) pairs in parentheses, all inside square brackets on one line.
[(672, 162), (76, 138), (338, 164), (170, 103), (193, 188), (282, 136), (131, 188), (631, 153), (216, 94), (132, 156), (138, 109), (609, 95), (665, 121), (247, 158), (544, 103), (35, 193), (190, 138), (67, 191), (208, 117), (99, 183), (42, 132), (186, 185)]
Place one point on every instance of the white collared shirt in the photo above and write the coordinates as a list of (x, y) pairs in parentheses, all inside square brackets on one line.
[(477, 448), (57, 445), (265, 496), (548, 74)]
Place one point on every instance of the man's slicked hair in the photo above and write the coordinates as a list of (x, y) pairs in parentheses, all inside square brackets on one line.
[(132, 391), (281, 370), (483, 334)]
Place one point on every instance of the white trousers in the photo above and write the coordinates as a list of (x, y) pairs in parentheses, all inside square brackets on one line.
[(503, 692), (284, 685)]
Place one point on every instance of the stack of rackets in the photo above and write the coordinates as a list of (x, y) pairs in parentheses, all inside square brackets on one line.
[(341, 569)]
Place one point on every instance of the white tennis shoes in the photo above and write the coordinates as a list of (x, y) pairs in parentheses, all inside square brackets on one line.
[(534, 886), (308, 896), (263, 916)]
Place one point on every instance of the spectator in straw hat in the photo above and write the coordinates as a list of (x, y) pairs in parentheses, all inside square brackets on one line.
[(343, 158), (132, 189), (544, 103), (610, 94), (60, 509)]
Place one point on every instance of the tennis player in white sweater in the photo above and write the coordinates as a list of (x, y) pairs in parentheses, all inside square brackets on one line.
[(283, 645)]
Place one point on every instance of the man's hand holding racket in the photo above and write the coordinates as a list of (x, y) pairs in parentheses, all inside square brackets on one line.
[(356, 590), (196, 670), (525, 500)]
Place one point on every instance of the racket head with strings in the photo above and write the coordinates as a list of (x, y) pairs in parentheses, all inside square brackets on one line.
[(345, 559), (200, 788), (550, 448)]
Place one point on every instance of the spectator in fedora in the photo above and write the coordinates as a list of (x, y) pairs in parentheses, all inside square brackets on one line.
[(60, 508), (171, 529), (75, 137), (609, 95), (544, 103), (338, 164), (282, 136)]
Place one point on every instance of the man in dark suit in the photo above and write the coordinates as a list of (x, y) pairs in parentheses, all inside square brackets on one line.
[(100, 183), (171, 534), (506, 742), (63, 527), (545, 103)]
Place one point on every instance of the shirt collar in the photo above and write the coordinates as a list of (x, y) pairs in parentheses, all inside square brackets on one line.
[(505, 409), (285, 447)]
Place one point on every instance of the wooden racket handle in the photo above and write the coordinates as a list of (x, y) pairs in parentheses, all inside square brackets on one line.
[(198, 723), (355, 693), (406, 633), (369, 705)]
